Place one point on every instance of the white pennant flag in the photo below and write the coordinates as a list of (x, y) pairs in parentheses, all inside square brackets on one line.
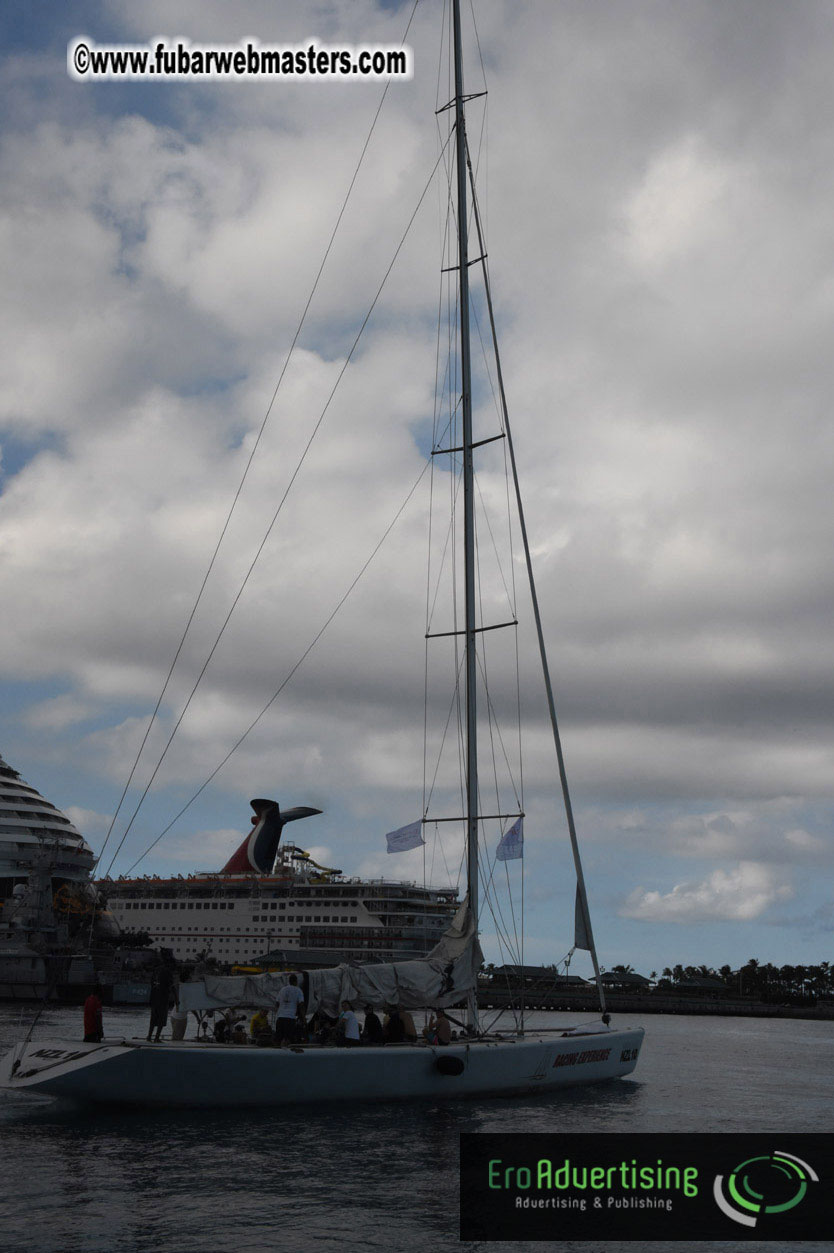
[(511, 844), (406, 838)]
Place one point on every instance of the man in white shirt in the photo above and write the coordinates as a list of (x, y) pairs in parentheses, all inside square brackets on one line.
[(349, 1023), (290, 1001)]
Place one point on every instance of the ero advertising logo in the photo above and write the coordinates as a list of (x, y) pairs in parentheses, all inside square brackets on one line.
[(646, 1187), (771, 1184)]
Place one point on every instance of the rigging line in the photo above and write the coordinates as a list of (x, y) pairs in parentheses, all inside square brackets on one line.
[(493, 905), (452, 705), (557, 739), (446, 40), (439, 391), (426, 647), (442, 561), (491, 1026), (521, 802), (490, 892), (517, 650), (518, 942), (504, 951), (491, 899), (428, 590), (478, 45), (437, 843), (495, 400), (493, 715), (251, 458), (455, 483), (269, 530), (292, 672), (481, 663), (495, 729), (551, 987), (511, 604), (501, 930)]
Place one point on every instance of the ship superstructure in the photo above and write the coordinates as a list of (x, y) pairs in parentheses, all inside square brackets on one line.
[(284, 902), (45, 889), (45, 863)]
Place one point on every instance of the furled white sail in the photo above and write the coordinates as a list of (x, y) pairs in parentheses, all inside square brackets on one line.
[(442, 978)]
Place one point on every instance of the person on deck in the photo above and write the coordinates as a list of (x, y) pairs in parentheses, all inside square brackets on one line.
[(259, 1028), (290, 1008), (438, 1029), (443, 1028), (394, 1030), (161, 987), (93, 1025), (372, 1032), (321, 1029), (409, 1030), (348, 1026)]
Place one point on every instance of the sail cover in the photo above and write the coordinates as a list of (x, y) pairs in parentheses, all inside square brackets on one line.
[(441, 979)]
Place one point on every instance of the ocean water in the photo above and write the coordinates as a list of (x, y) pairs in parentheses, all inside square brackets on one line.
[(366, 1177)]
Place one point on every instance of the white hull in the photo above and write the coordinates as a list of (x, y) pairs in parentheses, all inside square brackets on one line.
[(192, 1074)]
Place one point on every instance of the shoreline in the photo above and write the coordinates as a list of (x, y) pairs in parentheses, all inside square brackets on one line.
[(621, 1003)]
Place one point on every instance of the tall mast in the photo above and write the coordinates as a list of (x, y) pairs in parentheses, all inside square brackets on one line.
[(468, 498)]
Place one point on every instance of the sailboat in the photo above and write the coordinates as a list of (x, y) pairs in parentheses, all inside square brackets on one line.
[(199, 1073)]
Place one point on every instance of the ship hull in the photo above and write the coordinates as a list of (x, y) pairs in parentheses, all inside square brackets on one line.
[(202, 1075)]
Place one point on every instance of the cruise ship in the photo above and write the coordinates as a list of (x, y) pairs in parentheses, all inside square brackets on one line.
[(46, 898), (273, 898)]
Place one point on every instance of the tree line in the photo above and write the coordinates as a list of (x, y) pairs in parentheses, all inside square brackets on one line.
[(761, 980)]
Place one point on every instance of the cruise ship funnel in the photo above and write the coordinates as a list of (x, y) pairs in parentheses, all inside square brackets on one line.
[(258, 851)]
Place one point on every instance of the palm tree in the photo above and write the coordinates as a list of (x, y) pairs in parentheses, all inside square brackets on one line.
[(787, 977), (751, 975)]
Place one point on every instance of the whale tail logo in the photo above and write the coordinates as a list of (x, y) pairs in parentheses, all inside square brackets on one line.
[(257, 852)]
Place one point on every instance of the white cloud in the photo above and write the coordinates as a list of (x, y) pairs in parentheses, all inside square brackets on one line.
[(804, 841), (204, 850), (59, 713), (87, 821), (737, 895), (674, 209)]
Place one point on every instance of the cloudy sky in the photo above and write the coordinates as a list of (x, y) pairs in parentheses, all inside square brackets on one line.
[(656, 180)]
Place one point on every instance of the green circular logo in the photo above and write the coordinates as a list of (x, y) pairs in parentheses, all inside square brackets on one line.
[(770, 1184)]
